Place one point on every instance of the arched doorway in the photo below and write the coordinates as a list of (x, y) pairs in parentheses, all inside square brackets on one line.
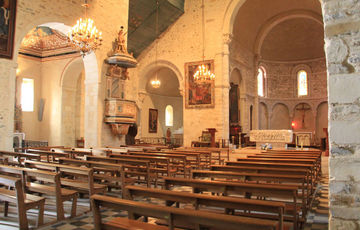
[(157, 103), (45, 56)]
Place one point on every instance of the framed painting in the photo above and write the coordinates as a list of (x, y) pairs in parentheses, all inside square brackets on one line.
[(199, 95), (7, 27), (153, 117)]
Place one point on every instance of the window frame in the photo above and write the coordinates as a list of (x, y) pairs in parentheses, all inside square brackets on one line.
[(295, 71), (298, 74), (171, 118), (263, 70), (23, 97)]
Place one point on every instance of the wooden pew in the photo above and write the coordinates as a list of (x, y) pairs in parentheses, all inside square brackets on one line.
[(286, 160), (259, 169), (194, 159), (51, 156), (22, 200), (85, 186), (298, 180), (133, 168), (172, 215), (276, 191), (52, 187), (76, 153), (46, 148), (109, 174), (316, 159), (177, 161), (311, 167), (293, 151), (20, 156), (274, 210), (158, 165)]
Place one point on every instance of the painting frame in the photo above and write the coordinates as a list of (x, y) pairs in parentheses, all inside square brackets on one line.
[(7, 40), (199, 95), (153, 118)]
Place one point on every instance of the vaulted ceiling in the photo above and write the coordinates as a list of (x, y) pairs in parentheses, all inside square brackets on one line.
[(281, 30)]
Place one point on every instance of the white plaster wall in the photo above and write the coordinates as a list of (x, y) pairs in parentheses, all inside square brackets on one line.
[(159, 102), (29, 68)]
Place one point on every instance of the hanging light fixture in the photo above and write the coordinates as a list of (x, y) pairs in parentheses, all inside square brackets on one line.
[(84, 36), (203, 73), (155, 83)]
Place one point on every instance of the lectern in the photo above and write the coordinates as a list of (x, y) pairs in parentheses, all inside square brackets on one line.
[(212, 132)]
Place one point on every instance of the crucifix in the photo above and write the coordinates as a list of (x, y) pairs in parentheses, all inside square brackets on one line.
[(303, 109)]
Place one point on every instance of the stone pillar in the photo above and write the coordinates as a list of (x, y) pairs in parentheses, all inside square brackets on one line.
[(225, 87), (7, 103), (91, 123), (342, 46)]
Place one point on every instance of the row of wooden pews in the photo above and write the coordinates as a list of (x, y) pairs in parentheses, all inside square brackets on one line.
[(269, 190), (27, 178)]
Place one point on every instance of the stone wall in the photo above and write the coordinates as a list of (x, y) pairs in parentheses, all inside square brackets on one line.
[(182, 43), (342, 43)]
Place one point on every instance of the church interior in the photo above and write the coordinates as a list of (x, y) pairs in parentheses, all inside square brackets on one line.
[(179, 114)]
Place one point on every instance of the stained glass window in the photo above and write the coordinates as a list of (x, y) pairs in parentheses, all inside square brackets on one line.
[(302, 83)]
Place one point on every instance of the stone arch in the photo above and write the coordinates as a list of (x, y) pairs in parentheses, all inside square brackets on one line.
[(294, 75), (159, 98), (72, 73), (92, 78), (304, 119), (277, 19), (154, 66), (280, 116)]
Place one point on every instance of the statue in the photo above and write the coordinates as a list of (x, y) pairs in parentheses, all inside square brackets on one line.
[(120, 42)]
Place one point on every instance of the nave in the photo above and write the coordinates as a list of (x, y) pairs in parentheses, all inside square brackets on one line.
[(238, 185)]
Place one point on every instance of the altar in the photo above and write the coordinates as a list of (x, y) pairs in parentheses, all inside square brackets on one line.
[(277, 138)]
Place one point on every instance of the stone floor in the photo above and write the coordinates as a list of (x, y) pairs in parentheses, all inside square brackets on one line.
[(317, 218)]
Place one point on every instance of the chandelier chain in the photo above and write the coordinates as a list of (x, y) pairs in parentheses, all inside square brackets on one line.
[(156, 82), (203, 73), (84, 36)]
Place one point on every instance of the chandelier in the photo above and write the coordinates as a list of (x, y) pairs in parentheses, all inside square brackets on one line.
[(156, 82), (203, 73), (84, 36)]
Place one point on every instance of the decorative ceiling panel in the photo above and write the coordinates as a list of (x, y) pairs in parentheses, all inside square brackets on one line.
[(43, 42)]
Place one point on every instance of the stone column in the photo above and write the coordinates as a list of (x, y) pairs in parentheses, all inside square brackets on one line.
[(225, 86), (7, 103), (91, 124), (342, 42)]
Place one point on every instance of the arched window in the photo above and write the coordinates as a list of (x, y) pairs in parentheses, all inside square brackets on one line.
[(302, 80), (169, 115), (261, 81), (27, 95)]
